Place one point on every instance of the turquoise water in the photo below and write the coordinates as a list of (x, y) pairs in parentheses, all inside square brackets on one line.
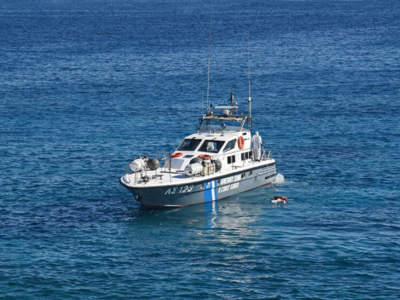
[(86, 86)]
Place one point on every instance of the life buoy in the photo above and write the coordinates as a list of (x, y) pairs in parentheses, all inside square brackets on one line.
[(178, 154), (205, 156), (241, 142), (280, 197)]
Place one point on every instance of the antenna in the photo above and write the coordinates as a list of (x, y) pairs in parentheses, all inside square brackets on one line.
[(209, 55), (249, 100), (232, 98), (202, 99), (202, 102)]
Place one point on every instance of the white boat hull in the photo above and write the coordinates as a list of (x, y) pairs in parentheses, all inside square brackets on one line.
[(210, 189)]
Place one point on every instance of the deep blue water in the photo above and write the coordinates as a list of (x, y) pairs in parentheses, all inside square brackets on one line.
[(86, 86)]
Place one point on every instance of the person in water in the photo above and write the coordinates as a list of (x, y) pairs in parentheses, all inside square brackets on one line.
[(257, 143)]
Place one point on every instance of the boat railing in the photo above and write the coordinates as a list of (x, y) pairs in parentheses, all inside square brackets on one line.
[(143, 174), (215, 128), (266, 154), (166, 167)]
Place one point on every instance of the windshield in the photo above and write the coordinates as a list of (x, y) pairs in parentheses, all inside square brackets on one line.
[(230, 145), (211, 146), (189, 145)]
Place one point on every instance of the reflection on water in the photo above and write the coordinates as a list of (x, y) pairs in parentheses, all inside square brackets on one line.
[(234, 212)]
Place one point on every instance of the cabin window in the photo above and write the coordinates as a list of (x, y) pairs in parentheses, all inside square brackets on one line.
[(245, 155), (231, 159), (230, 145), (189, 145), (211, 146)]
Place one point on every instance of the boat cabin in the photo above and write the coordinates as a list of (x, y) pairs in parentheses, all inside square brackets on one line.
[(218, 137)]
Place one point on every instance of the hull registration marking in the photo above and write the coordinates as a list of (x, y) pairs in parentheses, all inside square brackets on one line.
[(179, 190)]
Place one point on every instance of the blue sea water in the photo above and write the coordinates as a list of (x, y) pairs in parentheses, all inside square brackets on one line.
[(86, 85)]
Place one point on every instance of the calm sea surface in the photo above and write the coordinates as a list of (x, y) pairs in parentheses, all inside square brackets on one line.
[(86, 85)]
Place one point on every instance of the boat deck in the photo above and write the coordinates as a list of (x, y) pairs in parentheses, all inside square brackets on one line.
[(165, 177)]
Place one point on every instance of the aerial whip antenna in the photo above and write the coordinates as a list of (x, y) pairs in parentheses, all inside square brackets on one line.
[(209, 56), (202, 102), (249, 99)]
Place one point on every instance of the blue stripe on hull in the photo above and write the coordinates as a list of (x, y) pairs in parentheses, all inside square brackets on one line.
[(210, 195), (210, 191)]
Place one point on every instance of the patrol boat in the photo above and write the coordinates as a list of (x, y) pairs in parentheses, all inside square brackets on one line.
[(221, 159)]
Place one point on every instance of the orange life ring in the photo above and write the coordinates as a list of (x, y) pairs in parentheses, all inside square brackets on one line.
[(178, 154), (241, 142), (205, 156), (280, 197)]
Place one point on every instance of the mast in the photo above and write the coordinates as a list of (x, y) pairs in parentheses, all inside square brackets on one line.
[(249, 99), (202, 102), (209, 56)]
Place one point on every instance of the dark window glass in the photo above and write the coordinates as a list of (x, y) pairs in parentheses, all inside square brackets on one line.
[(229, 159), (230, 145), (189, 145), (233, 158), (211, 146)]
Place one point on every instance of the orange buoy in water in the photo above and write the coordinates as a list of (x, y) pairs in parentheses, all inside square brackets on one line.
[(280, 197)]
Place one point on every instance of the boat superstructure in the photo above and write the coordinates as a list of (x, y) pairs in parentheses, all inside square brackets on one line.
[(219, 160)]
